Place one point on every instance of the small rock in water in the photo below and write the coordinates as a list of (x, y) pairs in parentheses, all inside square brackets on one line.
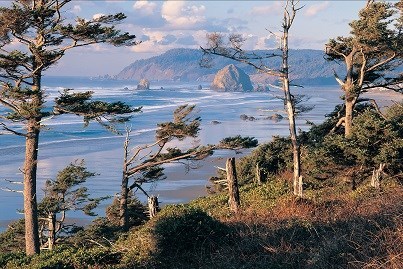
[(276, 117), (244, 117)]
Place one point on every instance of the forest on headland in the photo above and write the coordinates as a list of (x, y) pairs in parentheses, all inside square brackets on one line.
[(328, 197)]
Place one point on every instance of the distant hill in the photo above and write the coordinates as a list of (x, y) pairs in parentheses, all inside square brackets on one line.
[(306, 67)]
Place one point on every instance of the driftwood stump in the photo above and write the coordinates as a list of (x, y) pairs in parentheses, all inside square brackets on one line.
[(376, 176), (258, 177), (153, 206), (233, 191), (300, 189)]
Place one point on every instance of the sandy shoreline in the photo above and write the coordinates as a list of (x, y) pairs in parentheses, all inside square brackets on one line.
[(179, 187)]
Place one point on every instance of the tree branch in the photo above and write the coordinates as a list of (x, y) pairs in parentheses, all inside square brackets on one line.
[(10, 190), (12, 131), (382, 62), (14, 182)]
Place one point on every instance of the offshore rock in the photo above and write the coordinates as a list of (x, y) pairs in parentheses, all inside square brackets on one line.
[(231, 79), (144, 84)]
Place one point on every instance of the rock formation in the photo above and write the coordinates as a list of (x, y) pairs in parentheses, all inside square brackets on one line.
[(144, 84), (231, 79)]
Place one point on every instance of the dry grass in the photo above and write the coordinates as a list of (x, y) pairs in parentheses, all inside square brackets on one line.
[(337, 232)]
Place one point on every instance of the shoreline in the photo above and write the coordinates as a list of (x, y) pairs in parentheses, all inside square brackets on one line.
[(179, 187)]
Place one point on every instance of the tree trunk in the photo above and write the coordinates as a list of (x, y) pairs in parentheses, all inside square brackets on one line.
[(32, 243), (350, 94), (30, 200), (153, 206), (348, 120), (300, 187), (234, 201), (51, 230), (376, 176), (290, 113), (258, 176), (123, 216)]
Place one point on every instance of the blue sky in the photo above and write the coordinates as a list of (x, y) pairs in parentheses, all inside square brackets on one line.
[(163, 25)]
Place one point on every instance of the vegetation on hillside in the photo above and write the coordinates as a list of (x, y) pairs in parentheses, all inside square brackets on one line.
[(337, 224), (307, 66), (349, 209)]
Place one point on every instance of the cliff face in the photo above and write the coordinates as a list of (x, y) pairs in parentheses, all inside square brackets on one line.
[(306, 67), (231, 79)]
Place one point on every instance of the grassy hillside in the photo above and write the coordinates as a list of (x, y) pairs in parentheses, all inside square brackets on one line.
[(344, 229), (341, 221)]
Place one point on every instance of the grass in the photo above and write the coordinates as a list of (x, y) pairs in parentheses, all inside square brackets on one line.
[(332, 228)]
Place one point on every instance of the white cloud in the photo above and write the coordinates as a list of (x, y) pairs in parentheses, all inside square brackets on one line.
[(179, 14), (315, 9), (268, 42), (145, 7), (97, 16), (161, 41), (76, 9), (269, 9)]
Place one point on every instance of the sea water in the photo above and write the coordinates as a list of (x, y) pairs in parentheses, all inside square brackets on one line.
[(64, 138)]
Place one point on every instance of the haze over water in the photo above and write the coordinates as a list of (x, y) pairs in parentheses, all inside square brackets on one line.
[(64, 139)]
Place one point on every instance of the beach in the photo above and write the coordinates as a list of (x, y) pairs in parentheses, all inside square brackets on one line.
[(64, 140)]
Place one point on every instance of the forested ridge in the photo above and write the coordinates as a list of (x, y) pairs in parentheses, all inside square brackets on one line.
[(307, 67)]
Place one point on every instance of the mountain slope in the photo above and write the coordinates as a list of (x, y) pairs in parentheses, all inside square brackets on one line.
[(306, 67)]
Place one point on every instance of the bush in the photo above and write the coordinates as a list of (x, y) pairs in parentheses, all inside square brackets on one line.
[(376, 139), (63, 257), (181, 229), (13, 239), (135, 209)]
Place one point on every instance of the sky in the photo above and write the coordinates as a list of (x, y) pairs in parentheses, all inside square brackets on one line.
[(163, 25)]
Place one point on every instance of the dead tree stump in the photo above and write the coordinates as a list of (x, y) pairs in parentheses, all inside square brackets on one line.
[(376, 176), (258, 178), (233, 191), (153, 206), (300, 187)]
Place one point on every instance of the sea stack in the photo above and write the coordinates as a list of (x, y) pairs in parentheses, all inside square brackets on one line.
[(144, 84), (231, 79)]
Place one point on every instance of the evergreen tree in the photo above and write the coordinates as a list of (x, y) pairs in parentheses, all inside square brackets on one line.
[(371, 54), (61, 195), (45, 36)]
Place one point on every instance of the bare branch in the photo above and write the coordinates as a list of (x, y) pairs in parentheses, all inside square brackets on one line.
[(14, 182), (12, 131), (138, 186), (146, 165), (339, 123), (10, 190), (382, 62), (220, 168), (341, 83)]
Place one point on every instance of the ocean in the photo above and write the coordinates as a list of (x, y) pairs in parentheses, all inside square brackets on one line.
[(64, 138)]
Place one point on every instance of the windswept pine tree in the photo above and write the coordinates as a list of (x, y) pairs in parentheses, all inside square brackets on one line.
[(43, 37), (371, 54), (65, 193)]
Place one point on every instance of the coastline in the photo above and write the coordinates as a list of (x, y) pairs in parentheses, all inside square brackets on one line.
[(104, 154)]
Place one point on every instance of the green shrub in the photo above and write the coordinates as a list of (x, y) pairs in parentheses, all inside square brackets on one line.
[(13, 239), (182, 228), (63, 257)]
